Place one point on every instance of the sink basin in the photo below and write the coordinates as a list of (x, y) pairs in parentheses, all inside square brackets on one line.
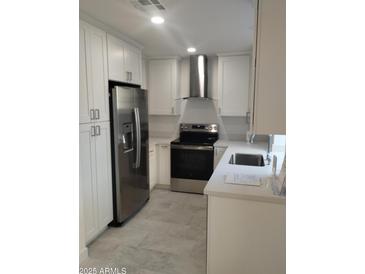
[(247, 159)]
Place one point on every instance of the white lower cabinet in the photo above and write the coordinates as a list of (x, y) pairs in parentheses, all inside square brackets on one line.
[(95, 178), (245, 236), (152, 166), (163, 164), (218, 153)]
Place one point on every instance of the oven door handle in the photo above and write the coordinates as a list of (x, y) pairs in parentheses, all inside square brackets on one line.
[(190, 147)]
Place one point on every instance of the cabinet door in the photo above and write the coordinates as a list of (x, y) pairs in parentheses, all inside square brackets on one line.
[(85, 97), (269, 101), (103, 174), (233, 85), (152, 168), (96, 60), (133, 62), (144, 74), (88, 181), (116, 59), (164, 168), (162, 86), (218, 153)]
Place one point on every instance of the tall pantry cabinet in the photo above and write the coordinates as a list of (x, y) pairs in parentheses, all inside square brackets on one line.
[(94, 133)]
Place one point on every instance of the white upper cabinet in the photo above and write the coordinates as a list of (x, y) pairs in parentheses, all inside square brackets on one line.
[(233, 85), (133, 64), (269, 93), (144, 74), (162, 86), (85, 100), (124, 61), (94, 103), (116, 59)]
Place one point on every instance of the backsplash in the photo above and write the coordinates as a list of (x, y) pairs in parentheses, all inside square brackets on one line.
[(197, 110)]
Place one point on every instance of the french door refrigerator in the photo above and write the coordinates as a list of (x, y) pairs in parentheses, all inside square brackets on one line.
[(129, 123)]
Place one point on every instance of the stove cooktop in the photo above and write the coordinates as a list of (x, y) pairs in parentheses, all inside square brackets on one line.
[(193, 143)]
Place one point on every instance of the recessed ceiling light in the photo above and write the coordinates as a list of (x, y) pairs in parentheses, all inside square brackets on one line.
[(191, 49), (157, 20)]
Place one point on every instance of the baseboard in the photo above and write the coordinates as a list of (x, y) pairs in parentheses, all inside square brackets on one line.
[(161, 186), (84, 253)]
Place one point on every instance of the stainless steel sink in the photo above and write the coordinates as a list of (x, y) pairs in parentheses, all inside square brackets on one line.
[(247, 159)]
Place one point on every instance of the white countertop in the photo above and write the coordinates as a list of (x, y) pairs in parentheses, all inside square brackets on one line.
[(217, 187)]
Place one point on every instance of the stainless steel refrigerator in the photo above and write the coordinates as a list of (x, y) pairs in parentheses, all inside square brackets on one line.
[(129, 122)]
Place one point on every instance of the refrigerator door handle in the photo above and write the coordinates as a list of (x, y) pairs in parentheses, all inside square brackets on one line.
[(138, 138)]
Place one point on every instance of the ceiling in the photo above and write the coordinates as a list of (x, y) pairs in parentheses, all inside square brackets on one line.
[(211, 26)]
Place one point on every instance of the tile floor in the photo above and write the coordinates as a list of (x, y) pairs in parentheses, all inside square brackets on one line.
[(168, 236)]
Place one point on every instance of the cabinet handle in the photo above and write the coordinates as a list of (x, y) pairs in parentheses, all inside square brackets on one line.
[(97, 114), (97, 131), (131, 76), (127, 72), (92, 131), (164, 146), (92, 114), (172, 110)]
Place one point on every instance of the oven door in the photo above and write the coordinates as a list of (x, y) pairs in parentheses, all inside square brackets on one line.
[(192, 162)]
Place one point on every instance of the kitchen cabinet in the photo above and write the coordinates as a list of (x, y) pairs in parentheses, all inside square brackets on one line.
[(93, 75), (269, 87), (95, 178), (152, 166), (245, 236), (144, 74), (163, 165), (233, 85), (163, 86), (124, 61), (218, 153)]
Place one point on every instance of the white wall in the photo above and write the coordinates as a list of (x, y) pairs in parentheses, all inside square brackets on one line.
[(163, 126)]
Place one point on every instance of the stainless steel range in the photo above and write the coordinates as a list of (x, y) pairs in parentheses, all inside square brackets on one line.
[(192, 157)]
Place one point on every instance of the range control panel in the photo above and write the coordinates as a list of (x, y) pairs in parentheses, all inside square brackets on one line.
[(199, 127)]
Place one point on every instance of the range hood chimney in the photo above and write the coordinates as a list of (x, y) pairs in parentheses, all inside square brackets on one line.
[(198, 76)]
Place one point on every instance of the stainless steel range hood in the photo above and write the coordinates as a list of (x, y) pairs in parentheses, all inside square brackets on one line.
[(198, 76)]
